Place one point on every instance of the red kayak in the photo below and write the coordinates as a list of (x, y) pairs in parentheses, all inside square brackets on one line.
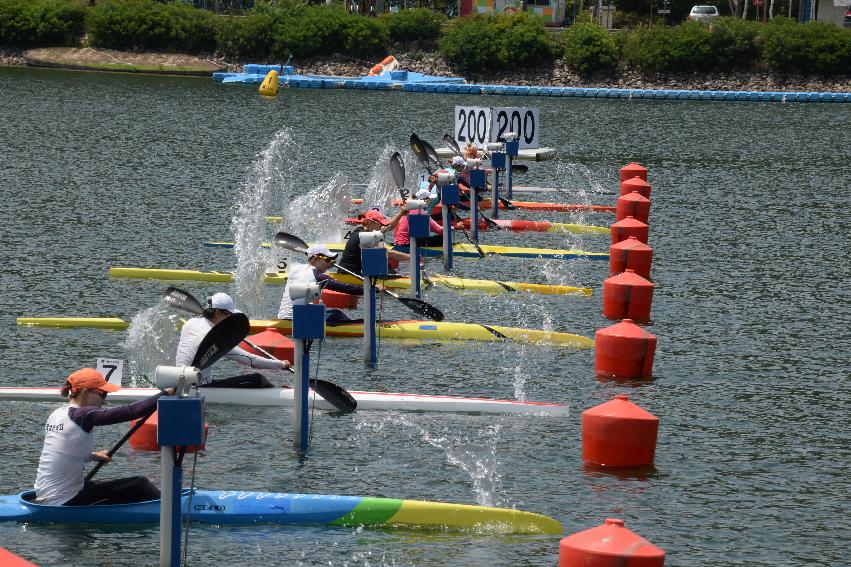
[(526, 226), (527, 206)]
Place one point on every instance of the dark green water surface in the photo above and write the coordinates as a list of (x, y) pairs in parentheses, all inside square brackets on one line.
[(749, 230)]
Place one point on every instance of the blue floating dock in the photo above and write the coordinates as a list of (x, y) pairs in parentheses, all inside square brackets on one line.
[(409, 81)]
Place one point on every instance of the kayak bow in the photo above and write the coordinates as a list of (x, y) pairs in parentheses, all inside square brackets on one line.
[(246, 508), (492, 287), (283, 397), (421, 330)]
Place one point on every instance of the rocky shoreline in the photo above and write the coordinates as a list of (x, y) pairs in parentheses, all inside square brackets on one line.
[(557, 74)]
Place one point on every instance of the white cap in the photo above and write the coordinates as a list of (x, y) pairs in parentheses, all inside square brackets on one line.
[(320, 250), (423, 194), (222, 301), (458, 160)]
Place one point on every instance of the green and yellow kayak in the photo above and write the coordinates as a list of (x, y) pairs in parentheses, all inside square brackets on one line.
[(421, 330), (492, 287), (463, 250)]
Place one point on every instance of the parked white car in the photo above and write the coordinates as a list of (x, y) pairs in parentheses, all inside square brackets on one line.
[(703, 14)]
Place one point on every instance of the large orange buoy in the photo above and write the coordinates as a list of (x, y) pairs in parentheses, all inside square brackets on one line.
[(630, 226), (624, 350), (633, 169), (608, 545), (619, 434), (337, 300), (627, 296), (632, 254), (145, 438), (274, 342), (632, 205), (635, 184)]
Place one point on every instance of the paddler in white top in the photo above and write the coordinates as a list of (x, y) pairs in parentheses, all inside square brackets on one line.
[(319, 261), (69, 444), (219, 306)]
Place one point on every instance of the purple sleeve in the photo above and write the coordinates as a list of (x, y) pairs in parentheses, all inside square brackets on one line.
[(330, 283), (90, 416)]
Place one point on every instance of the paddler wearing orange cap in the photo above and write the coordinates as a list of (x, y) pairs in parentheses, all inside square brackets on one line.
[(69, 443), (371, 220)]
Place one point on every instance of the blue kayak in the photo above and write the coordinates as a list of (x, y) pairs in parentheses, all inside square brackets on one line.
[(241, 508)]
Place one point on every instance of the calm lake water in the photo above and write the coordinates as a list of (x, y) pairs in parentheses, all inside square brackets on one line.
[(751, 310)]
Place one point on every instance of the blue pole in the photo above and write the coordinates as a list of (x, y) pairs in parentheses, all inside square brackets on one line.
[(474, 213), (495, 194), (415, 268), (510, 182), (447, 238), (371, 357), (302, 401)]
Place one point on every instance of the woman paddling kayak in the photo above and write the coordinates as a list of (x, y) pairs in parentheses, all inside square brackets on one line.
[(69, 443)]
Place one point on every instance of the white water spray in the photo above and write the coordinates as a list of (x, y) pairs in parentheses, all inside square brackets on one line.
[(150, 341), (266, 176)]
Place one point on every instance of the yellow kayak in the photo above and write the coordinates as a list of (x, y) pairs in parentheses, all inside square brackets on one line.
[(424, 330), (469, 251), (492, 287)]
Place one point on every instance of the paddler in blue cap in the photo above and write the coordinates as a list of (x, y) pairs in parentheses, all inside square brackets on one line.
[(219, 306), (319, 261)]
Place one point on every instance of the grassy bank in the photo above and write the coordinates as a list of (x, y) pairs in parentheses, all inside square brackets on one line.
[(472, 45)]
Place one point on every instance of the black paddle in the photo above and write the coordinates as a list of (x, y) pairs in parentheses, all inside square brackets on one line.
[(296, 244), (397, 169), (453, 145), (218, 342), (454, 215), (330, 392)]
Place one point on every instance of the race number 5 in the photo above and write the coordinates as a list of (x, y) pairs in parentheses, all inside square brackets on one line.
[(111, 369), (472, 124), (523, 121)]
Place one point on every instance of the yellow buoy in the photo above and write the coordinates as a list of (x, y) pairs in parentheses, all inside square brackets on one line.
[(269, 87)]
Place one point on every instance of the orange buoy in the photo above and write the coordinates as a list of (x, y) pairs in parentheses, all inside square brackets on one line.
[(145, 438), (624, 350), (608, 545), (274, 342), (633, 169), (634, 205), (336, 300), (9, 559), (627, 296), (630, 254), (619, 434), (630, 226), (635, 184)]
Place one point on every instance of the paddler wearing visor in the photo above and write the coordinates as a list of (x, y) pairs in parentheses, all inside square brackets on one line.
[(69, 444)]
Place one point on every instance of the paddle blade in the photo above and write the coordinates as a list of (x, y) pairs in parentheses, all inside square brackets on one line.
[(290, 242), (221, 339), (431, 153), (519, 168), (419, 150), (334, 395), (397, 169), (452, 144), (183, 300), (421, 307)]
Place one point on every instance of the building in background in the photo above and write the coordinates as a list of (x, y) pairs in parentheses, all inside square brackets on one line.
[(551, 11)]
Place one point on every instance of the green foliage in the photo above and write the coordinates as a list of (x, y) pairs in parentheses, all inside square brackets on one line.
[(365, 36), (414, 24), (148, 25), (735, 42), (814, 47), (480, 42), (664, 49), (32, 23), (588, 49), (247, 38)]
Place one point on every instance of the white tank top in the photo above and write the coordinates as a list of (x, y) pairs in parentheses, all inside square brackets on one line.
[(299, 273), (61, 468)]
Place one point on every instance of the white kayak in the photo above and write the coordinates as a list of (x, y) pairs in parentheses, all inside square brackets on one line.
[(283, 397)]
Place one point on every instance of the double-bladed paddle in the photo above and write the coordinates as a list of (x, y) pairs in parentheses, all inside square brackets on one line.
[(453, 145), (397, 170), (218, 342), (296, 244), (330, 392)]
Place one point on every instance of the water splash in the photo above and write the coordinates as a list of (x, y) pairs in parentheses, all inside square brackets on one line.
[(318, 215), (475, 454), (382, 189), (266, 176), (149, 341)]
